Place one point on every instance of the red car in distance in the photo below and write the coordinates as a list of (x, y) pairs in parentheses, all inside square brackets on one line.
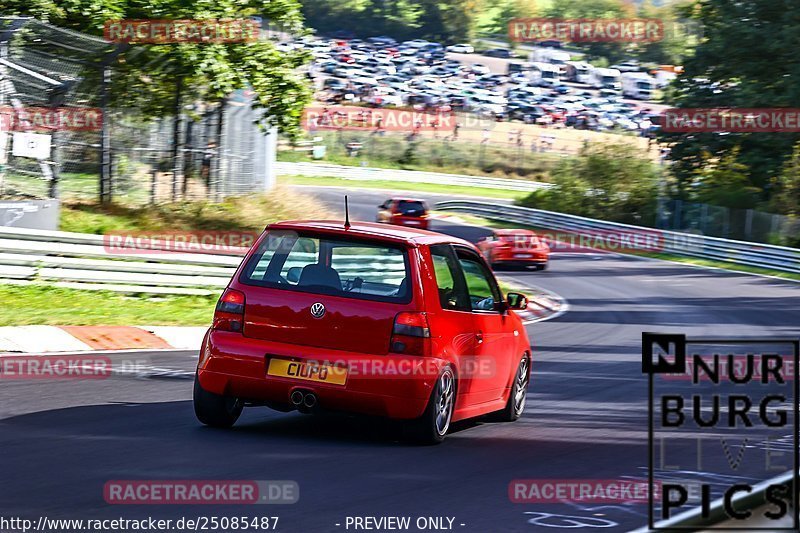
[(404, 212), (515, 247), (370, 319)]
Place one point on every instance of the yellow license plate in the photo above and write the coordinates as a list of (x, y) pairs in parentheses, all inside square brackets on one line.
[(308, 371)]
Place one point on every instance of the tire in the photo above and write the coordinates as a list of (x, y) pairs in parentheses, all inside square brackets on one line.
[(432, 426), (542, 267), (215, 410), (515, 405)]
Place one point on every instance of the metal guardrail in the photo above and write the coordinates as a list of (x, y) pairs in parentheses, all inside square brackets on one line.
[(693, 519), (409, 176), (672, 242), (86, 261)]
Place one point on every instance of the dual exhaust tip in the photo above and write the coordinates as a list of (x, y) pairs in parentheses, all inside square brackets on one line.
[(300, 399)]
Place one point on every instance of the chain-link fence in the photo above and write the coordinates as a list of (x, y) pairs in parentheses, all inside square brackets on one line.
[(223, 153), (47, 73), (738, 224), (52, 92)]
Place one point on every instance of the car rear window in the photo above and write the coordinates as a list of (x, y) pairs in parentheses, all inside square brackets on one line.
[(410, 208), (317, 264)]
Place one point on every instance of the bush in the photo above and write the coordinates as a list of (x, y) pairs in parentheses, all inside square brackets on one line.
[(609, 182)]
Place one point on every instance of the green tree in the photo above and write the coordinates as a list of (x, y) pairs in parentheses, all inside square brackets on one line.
[(680, 33), (746, 59), (786, 198), (605, 181), (508, 10), (154, 78), (593, 9), (726, 183)]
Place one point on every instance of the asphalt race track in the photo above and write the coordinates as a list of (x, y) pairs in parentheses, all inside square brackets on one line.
[(60, 442)]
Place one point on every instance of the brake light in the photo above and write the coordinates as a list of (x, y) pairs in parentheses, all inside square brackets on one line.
[(229, 314), (411, 334)]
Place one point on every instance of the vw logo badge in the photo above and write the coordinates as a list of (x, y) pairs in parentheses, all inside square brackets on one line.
[(317, 310)]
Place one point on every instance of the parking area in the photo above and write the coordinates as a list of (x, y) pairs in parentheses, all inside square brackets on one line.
[(545, 88)]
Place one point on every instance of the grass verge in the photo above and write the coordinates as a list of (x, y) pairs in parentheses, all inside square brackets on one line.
[(44, 304), (234, 213), (47, 305), (469, 156), (325, 181)]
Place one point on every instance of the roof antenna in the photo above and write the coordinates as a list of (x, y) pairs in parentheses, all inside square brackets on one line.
[(346, 214)]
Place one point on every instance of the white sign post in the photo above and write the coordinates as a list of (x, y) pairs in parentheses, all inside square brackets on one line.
[(33, 145)]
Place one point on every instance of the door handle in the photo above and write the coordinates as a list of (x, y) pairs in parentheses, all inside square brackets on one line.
[(479, 336)]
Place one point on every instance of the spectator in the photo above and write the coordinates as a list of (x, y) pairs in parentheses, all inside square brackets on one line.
[(547, 141)]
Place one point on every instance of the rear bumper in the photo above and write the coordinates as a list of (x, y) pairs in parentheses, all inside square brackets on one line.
[(520, 262), (509, 259), (421, 223), (394, 386)]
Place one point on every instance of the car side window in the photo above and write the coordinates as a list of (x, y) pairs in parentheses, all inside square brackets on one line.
[(449, 280), (481, 287)]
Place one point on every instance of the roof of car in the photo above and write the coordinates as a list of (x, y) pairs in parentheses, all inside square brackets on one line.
[(404, 199), (370, 230)]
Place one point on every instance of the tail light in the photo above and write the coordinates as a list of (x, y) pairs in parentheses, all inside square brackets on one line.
[(411, 334), (229, 314)]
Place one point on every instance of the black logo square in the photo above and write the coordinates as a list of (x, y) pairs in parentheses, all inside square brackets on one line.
[(663, 353)]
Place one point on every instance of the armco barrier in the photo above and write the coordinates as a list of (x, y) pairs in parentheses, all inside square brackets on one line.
[(717, 518), (671, 242), (83, 261)]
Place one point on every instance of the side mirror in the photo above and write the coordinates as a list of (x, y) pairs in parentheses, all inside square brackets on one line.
[(293, 274), (517, 301)]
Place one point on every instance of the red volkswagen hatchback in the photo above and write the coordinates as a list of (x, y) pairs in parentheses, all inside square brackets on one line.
[(371, 319)]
